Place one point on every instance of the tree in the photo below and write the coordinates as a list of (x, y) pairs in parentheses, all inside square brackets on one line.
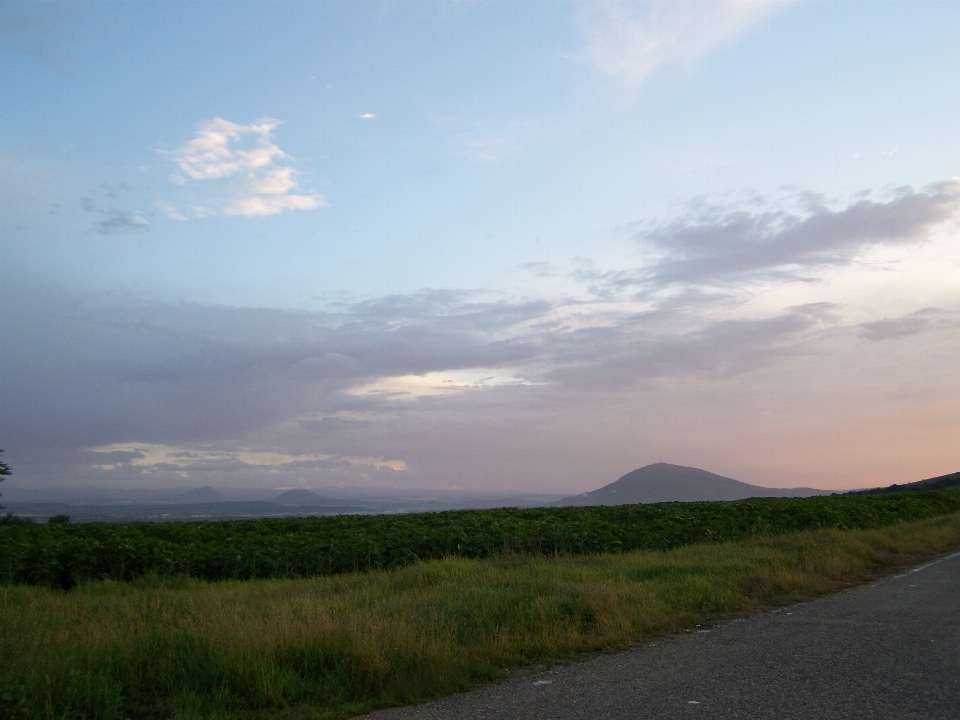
[(4, 471)]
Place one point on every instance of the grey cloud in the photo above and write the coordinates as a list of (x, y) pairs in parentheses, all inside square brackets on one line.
[(121, 221), (37, 32), (81, 372), (906, 325), (726, 244), (650, 347), (333, 424), (87, 372), (115, 220), (539, 269)]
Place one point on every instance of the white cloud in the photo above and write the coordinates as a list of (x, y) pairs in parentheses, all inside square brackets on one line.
[(271, 193), (367, 116), (213, 153), (227, 151), (251, 205), (169, 210), (631, 40), (275, 182), (411, 387), (152, 455)]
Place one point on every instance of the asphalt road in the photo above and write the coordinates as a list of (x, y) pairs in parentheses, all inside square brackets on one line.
[(890, 649)]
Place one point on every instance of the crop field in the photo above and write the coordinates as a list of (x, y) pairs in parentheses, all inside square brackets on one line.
[(62, 555), (336, 646)]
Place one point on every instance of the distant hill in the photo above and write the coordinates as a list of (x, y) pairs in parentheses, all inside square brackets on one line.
[(304, 497), (203, 494), (940, 482), (662, 482)]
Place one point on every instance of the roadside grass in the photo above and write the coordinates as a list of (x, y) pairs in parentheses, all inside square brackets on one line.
[(336, 646)]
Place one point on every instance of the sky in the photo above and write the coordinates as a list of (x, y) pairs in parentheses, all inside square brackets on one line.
[(478, 246)]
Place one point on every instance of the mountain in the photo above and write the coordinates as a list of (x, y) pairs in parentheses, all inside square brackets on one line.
[(662, 482), (941, 482), (304, 497), (203, 494)]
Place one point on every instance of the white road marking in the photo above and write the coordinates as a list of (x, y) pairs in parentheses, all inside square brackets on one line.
[(924, 567)]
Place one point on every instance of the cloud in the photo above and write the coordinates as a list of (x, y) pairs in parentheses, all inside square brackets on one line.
[(907, 325), (539, 269), (366, 116), (39, 33), (632, 40), (469, 387), (663, 344), (97, 372), (246, 157), (718, 245), (251, 205), (411, 387), (121, 221), (214, 153), (169, 210), (271, 193), (115, 220), (539, 388), (159, 456)]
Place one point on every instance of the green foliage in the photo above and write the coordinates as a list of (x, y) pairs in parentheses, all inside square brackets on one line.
[(332, 647), (61, 555), (941, 482), (62, 519), (4, 471)]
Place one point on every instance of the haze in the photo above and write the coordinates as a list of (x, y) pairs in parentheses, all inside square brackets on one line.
[(486, 246)]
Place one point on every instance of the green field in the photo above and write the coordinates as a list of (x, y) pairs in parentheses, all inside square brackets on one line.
[(337, 645), (62, 555)]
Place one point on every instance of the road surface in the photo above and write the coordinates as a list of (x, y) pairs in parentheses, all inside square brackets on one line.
[(890, 649)]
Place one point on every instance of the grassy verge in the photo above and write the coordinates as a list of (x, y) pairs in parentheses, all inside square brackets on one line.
[(332, 647)]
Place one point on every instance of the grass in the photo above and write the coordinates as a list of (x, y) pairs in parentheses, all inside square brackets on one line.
[(336, 646)]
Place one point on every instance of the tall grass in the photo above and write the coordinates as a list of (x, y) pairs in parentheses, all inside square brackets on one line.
[(335, 646)]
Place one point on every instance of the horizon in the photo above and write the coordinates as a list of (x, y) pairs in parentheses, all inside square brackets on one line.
[(485, 247), (193, 504)]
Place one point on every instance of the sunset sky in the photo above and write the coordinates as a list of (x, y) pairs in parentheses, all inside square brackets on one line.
[(492, 246)]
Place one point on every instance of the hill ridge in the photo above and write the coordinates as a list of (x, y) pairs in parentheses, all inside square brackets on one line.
[(302, 496), (663, 482)]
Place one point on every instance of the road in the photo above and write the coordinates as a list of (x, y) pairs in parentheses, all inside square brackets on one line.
[(890, 649)]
